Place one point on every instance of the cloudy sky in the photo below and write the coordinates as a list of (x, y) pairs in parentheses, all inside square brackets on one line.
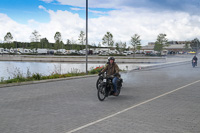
[(179, 19)]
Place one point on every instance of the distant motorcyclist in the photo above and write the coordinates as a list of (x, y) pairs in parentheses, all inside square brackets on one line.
[(195, 59), (112, 69)]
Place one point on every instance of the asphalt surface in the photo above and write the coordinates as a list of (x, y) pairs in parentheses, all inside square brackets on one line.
[(162, 100)]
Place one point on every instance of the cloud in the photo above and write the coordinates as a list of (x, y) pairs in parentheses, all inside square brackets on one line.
[(191, 6), (125, 23), (97, 12), (19, 32), (48, 1), (92, 11), (67, 23), (43, 8), (93, 3), (76, 9), (122, 24)]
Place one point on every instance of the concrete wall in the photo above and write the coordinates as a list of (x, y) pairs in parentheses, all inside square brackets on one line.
[(94, 59)]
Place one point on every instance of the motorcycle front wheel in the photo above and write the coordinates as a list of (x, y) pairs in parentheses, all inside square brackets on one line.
[(193, 64), (99, 80), (101, 93)]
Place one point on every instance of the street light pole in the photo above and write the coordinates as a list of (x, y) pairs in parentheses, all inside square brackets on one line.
[(86, 36), (197, 47)]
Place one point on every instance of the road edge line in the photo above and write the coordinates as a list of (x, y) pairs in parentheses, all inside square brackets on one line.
[(127, 109)]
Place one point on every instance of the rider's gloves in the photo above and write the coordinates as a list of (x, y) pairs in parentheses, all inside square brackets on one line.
[(116, 74)]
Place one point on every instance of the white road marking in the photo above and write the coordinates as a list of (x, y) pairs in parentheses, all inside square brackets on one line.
[(110, 116)]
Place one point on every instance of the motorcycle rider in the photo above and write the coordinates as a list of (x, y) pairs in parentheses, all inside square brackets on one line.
[(195, 59), (112, 69)]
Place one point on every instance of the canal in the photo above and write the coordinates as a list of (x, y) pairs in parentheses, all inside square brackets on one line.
[(10, 69)]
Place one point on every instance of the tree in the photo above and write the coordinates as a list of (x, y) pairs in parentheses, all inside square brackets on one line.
[(68, 41), (61, 44), (120, 46), (186, 46), (108, 39), (82, 38), (195, 44), (8, 37), (57, 37), (135, 42), (117, 46), (44, 43), (124, 46), (160, 42), (35, 36)]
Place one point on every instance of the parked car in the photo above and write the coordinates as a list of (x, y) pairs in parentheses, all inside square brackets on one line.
[(42, 51), (61, 51), (104, 53), (1, 50), (6, 51)]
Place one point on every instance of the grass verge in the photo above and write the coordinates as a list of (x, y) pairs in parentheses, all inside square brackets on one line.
[(37, 76)]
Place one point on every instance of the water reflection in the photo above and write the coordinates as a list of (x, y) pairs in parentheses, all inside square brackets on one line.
[(8, 69)]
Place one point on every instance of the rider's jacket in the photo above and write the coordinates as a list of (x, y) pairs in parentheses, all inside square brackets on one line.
[(195, 58), (111, 69)]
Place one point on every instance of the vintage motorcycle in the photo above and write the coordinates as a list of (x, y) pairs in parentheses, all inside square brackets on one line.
[(105, 86), (194, 63)]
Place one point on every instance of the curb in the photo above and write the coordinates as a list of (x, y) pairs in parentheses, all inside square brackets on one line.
[(156, 66), (45, 81), (163, 65)]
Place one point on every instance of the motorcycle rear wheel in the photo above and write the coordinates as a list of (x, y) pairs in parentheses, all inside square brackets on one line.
[(119, 89), (101, 93)]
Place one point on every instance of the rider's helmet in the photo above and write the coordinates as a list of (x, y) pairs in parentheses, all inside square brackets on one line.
[(111, 58)]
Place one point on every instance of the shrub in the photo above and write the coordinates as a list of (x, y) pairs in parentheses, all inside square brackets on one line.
[(36, 76), (96, 70), (18, 76)]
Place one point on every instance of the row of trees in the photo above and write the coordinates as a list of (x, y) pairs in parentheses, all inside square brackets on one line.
[(36, 37), (37, 45), (162, 42), (120, 46), (107, 40), (36, 42), (194, 44)]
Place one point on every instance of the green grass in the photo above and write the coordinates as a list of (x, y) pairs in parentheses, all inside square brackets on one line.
[(37, 76)]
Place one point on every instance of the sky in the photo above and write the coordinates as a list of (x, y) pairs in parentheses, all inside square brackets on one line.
[(178, 19)]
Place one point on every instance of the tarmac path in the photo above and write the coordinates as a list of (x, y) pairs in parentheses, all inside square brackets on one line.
[(152, 101)]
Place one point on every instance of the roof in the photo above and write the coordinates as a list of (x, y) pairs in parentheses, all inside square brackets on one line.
[(174, 46)]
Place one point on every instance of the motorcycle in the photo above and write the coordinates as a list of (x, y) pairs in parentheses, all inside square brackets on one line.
[(105, 86), (99, 80), (194, 63)]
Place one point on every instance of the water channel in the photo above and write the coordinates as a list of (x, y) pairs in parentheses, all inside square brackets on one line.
[(10, 68)]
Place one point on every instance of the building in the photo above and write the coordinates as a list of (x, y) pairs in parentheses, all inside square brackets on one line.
[(174, 47)]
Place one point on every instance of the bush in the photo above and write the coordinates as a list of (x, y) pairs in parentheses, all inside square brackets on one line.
[(96, 70), (37, 76), (18, 77)]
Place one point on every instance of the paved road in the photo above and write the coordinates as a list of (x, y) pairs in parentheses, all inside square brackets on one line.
[(162, 100)]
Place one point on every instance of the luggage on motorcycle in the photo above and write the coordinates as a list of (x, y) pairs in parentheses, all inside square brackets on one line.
[(119, 82)]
